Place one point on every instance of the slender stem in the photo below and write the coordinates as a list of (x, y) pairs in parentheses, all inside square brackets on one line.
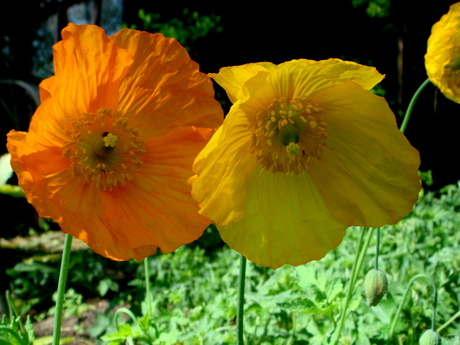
[(435, 304), (147, 284), (447, 323), (398, 312), (362, 248), (377, 246), (411, 105), (13, 312), (10, 305), (240, 311), (61, 288)]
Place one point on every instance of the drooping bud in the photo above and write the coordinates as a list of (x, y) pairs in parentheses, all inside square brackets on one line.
[(430, 337), (375, 286)]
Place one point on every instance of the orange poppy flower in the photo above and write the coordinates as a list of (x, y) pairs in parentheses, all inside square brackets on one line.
[(111, 146)]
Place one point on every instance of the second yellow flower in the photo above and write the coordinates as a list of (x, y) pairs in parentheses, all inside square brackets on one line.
[(305, 152)]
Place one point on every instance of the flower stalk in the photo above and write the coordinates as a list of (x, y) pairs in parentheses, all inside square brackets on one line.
[(412, 104), (448, 322), (398, 312), (61, 288), (240, 311), (363, 244), (147, 285), (377, 248)]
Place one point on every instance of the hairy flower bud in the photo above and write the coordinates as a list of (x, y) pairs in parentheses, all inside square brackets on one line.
[(375, 286), (430, 337)]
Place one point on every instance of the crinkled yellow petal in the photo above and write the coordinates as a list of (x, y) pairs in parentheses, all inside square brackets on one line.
[(367, 173), (223, 169), (442, 59), (286, 222), (343, 71), (164, 87), (297, 77), (305, 78), (233, 78)]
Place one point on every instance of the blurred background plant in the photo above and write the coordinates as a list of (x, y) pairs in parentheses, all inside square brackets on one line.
[(194, 289)]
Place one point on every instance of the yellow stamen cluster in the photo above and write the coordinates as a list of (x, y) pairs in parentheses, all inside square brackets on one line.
[(288, 136), (103, 149)]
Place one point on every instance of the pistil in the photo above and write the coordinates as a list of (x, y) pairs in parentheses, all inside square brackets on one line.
[(288, 136), (104, 150)]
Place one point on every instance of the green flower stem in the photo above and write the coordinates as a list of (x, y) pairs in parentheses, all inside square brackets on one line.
[(359, 259), (126, 311), (147, 284), (10, 304), (61, 288), (377, 246), (398, 312), (240, 311), (448, 322), (411, 105)]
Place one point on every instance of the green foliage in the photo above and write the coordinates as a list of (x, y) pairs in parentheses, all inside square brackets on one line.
[(375, 8), (186, 29), (194, 289), (12, 329), (72, 304), (195, 298), (427, 177), (14, 191)]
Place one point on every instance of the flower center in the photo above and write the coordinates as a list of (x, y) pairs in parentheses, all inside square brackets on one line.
[(103, 149), (288, 136)]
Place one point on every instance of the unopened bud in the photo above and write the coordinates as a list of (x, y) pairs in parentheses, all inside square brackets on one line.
[(375, 286), (430, 337)]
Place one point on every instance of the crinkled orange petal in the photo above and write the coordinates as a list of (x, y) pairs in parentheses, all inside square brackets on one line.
[(85, 216), (367, 173), (56, 194), (286, 222), (91, 67), (164, 88), (159, 205), (34, 169), (223, 168)]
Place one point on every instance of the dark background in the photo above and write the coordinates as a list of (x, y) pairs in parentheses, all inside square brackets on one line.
[(390, 35)]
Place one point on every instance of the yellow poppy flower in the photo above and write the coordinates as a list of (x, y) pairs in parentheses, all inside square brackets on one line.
[(442, 59), (111, 146), (305, 152)]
